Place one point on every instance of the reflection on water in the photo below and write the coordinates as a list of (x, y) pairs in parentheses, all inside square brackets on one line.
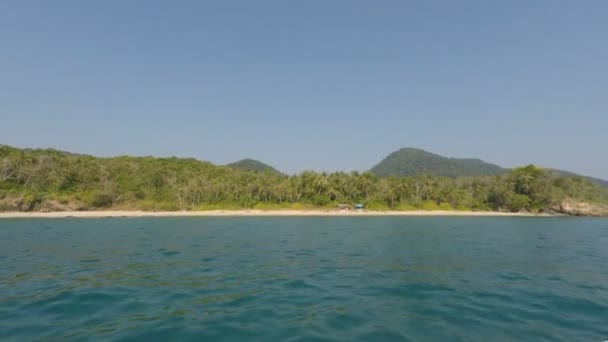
[(304, 278)]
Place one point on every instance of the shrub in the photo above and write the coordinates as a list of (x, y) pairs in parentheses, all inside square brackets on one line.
[(102, 200), (445, 206), (430, 205)]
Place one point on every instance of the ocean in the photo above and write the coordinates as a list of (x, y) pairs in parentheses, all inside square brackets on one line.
[(304, 279)]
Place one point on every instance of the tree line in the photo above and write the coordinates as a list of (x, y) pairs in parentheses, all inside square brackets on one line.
[(46, 179)]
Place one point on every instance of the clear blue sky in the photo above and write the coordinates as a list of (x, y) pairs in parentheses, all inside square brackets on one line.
[(323, 85)]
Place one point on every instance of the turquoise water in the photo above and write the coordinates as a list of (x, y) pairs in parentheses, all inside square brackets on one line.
[(304, 279)]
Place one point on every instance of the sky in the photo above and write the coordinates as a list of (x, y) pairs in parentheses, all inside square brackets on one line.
[(309, 85)]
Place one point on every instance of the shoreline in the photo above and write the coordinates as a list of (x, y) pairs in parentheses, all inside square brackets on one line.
[(260, 213)]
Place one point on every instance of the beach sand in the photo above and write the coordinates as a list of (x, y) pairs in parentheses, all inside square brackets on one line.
[(245, 213)]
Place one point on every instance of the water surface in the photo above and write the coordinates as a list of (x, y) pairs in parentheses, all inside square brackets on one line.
[(304, 279)]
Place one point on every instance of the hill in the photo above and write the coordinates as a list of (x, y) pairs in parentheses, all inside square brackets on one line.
[(253, 165), (598, 181), (411, 162)]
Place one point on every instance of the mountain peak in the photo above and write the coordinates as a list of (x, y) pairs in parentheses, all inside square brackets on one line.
[(253, 165), (410, 161)]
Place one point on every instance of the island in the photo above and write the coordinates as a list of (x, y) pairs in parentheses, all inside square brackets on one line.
[(49, 182)]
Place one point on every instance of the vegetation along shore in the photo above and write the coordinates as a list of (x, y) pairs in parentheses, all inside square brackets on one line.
[(49, 181)]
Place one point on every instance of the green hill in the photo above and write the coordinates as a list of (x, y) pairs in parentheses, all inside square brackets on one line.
[(412, 162), (253, 165), (598, 181)]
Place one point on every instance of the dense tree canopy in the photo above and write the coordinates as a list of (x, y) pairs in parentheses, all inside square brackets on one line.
[(34, 180)]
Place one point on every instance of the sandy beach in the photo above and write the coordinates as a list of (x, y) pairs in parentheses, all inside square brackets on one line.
[(235, 213)]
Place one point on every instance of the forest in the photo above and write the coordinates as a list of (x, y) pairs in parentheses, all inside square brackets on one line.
[(51, 180)]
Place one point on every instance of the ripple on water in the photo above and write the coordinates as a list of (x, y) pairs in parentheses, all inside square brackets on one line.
[(89, 261), (342, 279), (299, 284)]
